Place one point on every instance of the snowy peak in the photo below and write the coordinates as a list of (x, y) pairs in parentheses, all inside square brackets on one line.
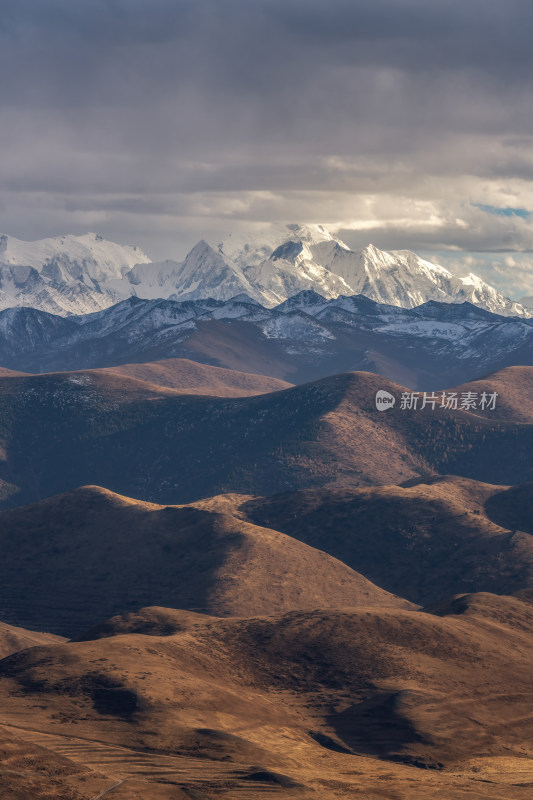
[(64, 274), (208, 273), (255, 246), (291, 269), (404, 279), (271, 263), (306, 300), (202, 255), (81, 257)]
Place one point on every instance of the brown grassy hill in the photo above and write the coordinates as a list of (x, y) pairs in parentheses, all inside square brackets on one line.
[(242, 346), (179, 374), (191, 377), (514, 386), (158, 444), (84, 388), (425, 541), (13, 639), (490, 608), (512, 508), (329, 704), (233, 555), (30, 771), (69, 561)]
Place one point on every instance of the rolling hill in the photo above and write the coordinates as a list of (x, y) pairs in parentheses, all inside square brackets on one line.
[(72, 560), (58, 432), (326, 703), (233, 555), (514, 386), (13, 639), (190, 377), (426, 540)]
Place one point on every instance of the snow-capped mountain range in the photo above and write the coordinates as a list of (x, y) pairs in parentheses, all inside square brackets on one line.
[(83, 274)]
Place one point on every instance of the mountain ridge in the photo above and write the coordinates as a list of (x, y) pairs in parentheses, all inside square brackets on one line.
[(199, 557), (82, 274), (136, 438), (432, 346)]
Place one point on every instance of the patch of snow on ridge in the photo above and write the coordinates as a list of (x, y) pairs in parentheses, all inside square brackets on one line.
[(80, 380), (426, 328), (296, 326)]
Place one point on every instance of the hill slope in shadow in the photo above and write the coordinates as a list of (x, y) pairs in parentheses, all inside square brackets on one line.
[(154, 443), (426, 540), (74, 559)]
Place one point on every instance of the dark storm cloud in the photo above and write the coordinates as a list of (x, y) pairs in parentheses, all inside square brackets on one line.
[(396, 115), (93, 49)]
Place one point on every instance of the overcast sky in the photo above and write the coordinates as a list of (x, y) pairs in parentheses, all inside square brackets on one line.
[(407, 123)]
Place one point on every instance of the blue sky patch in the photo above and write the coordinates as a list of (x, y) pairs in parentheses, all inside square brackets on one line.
[(503, 212)]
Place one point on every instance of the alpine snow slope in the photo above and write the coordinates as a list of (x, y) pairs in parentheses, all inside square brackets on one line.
[(81, 274), (63, 275), (435, 345)]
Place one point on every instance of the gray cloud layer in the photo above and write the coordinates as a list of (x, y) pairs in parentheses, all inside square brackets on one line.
[(161, 121)]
